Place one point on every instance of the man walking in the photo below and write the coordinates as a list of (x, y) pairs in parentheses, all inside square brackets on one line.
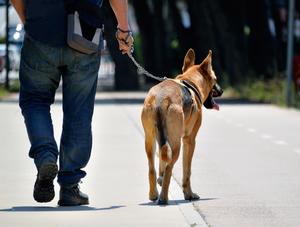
[(45, 60)]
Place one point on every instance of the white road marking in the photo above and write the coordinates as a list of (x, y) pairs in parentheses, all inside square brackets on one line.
[(297, 150), (252, 130), (263, 135), (266, 136), (280, 142), (239, 125), (228, 121)]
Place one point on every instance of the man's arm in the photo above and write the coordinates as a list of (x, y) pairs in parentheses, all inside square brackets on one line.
[(20, 8), (123, 35), (120, 8)]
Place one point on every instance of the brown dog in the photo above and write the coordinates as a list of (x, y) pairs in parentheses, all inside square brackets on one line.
[(172, 113)]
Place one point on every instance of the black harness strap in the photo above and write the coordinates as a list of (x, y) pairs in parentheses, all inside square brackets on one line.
[(192, 87), (187, 98)]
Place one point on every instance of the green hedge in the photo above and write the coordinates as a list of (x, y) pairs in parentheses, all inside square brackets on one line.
[(3, 92), (268, 91)]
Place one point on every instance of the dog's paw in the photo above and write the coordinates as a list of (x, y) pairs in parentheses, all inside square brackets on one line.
[(153, 196), (162, 202), (160, 180), (191, 196), (163, 199)]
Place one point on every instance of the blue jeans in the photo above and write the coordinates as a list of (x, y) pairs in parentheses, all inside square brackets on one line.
[(41, 69)]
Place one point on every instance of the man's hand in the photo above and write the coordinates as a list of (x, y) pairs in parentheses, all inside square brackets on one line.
[(125, 41)]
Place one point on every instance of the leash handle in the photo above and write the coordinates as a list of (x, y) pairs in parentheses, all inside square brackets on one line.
[(141, 70)]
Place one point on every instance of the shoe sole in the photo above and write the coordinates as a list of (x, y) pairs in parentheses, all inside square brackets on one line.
[(46, 173)]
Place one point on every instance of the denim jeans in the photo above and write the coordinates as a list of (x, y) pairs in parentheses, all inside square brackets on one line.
[(41, 69)]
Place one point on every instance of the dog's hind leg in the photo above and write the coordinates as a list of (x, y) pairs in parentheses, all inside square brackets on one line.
[(171, 149), (162, 142), (188, 151), (150, 151), (162, 167), (163, 197)]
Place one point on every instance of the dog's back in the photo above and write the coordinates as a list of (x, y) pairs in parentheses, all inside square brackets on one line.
[(164, 114)]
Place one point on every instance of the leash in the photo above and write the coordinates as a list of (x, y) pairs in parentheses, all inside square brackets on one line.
[(129, 43), (141, 70), (183, 83)]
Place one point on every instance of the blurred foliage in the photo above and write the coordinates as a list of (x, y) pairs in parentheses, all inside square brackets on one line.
[(297, 99), (14, 86), (3, 91), (247, 38), (240, 39), (138, 48), (267, 91)]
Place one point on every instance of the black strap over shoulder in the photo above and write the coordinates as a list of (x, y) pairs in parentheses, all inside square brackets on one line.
[(89, 11), (191, 86)]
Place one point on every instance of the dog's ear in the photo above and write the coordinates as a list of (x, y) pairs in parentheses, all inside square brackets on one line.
[(189, 60), (206, 64)]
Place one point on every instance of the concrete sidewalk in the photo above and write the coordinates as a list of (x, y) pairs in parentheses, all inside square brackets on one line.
[(117, 180)]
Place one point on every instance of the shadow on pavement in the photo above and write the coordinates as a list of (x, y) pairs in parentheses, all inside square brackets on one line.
[(134, 101), (176, 202), (56, 209), (140, 101), (120, 101)]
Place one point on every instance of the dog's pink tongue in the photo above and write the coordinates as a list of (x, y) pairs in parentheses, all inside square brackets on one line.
[(215, 106)]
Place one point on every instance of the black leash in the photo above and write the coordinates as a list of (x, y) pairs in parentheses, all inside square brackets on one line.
[(141, 70)]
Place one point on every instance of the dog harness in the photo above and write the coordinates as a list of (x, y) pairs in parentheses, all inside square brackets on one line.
[(192, 87), (188, 88)]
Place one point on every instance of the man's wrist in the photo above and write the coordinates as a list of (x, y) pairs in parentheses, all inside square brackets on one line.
[(123, 30), (123, 27)]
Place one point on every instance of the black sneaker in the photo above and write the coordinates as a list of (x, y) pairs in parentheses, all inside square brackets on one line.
[(72, 196), (43, 188)]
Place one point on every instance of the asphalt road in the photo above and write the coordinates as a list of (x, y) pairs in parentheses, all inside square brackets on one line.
[(246, 168)]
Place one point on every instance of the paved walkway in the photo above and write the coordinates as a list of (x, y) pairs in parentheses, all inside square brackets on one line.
[(117, 181)]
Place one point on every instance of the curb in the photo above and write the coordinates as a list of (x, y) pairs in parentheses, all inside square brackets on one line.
[(188, 210)]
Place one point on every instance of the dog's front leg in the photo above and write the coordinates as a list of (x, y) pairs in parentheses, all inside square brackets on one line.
[(188, 151)]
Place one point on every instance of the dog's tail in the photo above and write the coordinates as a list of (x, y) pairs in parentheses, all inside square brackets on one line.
[(162, 136)]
